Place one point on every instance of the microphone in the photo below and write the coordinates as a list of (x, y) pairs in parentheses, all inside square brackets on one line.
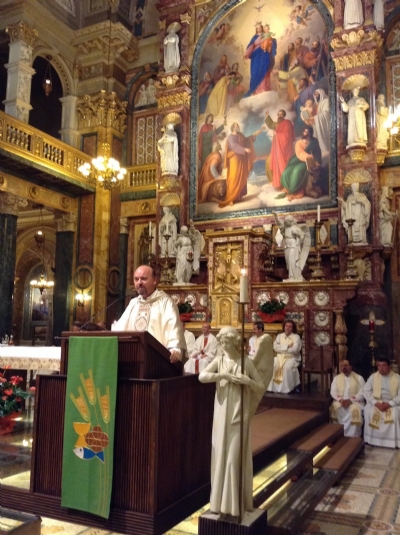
[(130, 294)]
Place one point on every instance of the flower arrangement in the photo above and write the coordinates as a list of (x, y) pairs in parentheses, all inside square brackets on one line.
[(11, 394), (272, 306), (185, 307)]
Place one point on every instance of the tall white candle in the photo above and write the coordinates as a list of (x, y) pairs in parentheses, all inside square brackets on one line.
[(244, 288), (150, 228), (318, 213)]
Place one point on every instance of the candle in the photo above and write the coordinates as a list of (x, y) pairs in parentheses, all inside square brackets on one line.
[(150, 228), (372, 326), (318, 213), (244, 287)]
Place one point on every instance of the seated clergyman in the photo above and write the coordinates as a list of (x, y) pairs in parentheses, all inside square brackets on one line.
[(382, 411), (258, 329), (348, 400), (287, 345), (204, 351)]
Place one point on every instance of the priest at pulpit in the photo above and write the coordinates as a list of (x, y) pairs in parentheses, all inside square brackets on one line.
[(154, 311)]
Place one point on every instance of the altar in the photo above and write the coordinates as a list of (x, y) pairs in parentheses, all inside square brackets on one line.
[(45, 359)]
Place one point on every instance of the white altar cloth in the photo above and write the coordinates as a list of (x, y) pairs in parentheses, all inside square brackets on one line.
[(31, 358)]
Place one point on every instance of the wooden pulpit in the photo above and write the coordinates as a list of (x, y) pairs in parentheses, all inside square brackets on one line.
[(162, 442)]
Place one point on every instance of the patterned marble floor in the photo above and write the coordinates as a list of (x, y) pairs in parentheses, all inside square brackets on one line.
[(366, 502)]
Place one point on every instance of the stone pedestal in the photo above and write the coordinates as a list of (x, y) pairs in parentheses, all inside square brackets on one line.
[(254, 523)]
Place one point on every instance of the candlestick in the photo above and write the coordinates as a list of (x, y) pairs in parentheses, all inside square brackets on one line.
[(244, 287), (318, 213)]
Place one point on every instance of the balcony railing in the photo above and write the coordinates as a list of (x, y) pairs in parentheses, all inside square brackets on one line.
[(141, 176), (18, 138)]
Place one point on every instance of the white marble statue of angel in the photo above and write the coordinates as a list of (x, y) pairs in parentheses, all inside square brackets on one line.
[(226, 371), (297, 243)]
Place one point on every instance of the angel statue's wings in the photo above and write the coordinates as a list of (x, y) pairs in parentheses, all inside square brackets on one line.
[(306, 244), (264, 363)]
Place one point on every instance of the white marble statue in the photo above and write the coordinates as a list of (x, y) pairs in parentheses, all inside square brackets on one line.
[(151, 92), (296, 243), (184, 256), (382, 113), (357, 123), (168, 147), (379, 14), (225, 370), (198, 245), (386, 216), (142, 99), (357, 207), (168, 225), (353, 14), (172, 57)]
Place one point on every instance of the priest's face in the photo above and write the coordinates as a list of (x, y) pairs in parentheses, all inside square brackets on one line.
[(145, 281), (345, 367), (288, 328), (383, 368)]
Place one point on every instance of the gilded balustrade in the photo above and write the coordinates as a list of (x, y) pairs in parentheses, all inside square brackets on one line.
[(141, 176), (21, 139)]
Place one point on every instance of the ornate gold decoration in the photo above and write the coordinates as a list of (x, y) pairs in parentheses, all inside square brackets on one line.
[(368, 57), (170, 199), (360, 176), (177, 99), (355, 80), (22, 32), (186, 18), (169, 80), (356, 38), (356, 154), (145, 207), (65, 202), (170, 182), (185, 79), (173, 118), (228, 262), (162, 24), (102, 110), (380, 156)]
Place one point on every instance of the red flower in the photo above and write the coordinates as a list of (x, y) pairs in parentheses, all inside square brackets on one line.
[(8, 392), (15, 379)]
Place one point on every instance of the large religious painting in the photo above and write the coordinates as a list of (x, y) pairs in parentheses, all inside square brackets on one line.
[(263, 111)]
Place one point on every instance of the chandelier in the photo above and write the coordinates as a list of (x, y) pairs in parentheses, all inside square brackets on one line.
[(47, 81), (104, 170), (42, 284)]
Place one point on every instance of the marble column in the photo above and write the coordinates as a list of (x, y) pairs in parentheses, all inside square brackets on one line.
[(19, 71), (66, 227), (69, 123), (122, 264), (9, 207)]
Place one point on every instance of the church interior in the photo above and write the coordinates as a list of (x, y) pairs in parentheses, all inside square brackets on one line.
[(249, 152)]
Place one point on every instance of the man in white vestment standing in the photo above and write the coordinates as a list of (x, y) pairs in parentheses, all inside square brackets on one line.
[(154, 311), (348, 400), (205, 350), (382, 412), (258, 329), (189, 339), (287, 345)]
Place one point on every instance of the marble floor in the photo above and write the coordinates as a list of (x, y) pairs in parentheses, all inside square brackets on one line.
[(365, 502)]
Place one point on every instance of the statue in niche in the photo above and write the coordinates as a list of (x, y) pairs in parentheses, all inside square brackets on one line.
[(184, 253), (167, 226), (168, 148), (226, 371), (172, 57), (356, 207), (198, 245), (296, 243), (379, 14), (382, 113), (386, 216), (353, 14), (357, 123)]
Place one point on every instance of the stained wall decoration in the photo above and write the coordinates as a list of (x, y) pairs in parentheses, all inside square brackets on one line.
[(262, 111)]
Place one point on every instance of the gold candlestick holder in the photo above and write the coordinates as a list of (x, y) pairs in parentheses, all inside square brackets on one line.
[(351, 272), (151, 258), (317, 273)]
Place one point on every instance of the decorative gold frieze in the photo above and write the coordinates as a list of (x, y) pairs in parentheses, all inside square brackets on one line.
[(22, 32), (170, 81), (176, 99), (186, 18), (102, 110), (359, 59), (174, 80), (355, 39)]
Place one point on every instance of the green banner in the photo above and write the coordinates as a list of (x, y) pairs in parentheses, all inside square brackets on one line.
[(89, 424)]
